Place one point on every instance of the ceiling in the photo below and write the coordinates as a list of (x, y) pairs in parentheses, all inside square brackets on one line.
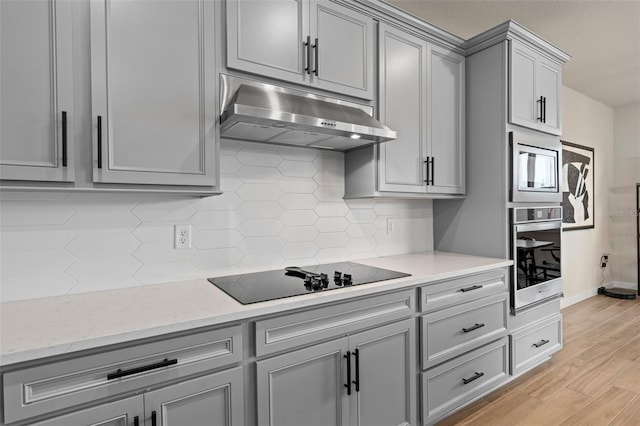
[(603, 37)]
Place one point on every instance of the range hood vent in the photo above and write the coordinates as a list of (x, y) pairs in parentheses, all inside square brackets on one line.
[(262, 112)]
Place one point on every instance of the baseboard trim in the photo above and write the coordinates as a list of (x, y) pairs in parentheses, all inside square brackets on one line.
[(568, 301)]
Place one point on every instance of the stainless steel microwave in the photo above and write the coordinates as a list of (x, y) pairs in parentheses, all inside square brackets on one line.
[(536, 162)]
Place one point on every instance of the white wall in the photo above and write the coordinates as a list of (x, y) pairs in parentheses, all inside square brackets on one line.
[(623, 194), (590, 123), (281, 206)]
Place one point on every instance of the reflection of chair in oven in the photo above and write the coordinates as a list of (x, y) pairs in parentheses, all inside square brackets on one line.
[(550, 269), (527, 260)]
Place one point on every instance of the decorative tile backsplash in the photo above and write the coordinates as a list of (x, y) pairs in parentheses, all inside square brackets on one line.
[(281, 206)]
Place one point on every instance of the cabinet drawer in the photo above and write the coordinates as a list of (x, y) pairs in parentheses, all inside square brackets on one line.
[(453, 292), (533, 344), (46, 388), (288, 331), (450, 385), (529, 316), (456, 330)]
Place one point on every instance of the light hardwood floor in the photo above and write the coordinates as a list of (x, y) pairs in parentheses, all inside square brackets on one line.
[(593, 380)]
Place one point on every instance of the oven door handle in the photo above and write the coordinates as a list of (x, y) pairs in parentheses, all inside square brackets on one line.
[(538, 226)]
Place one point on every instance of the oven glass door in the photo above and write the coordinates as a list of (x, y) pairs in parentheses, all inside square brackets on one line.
[(537, 169), (537, 253)]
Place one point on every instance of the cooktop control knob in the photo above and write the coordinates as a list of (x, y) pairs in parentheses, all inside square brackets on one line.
[(325, 280), (347, 279), (316, 283), (337, 278)]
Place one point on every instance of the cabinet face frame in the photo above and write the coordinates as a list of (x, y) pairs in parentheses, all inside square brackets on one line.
[(60, 100), (105, 168)]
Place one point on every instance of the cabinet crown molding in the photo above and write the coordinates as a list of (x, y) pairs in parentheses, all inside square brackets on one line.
[(510, 30)]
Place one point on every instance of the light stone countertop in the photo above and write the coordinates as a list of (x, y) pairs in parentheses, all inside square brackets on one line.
[(40, 328)]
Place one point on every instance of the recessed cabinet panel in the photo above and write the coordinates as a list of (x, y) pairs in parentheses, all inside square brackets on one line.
[(550, 83), (214, 400), (303, 387), (524, 110), (266, 37), (151, 87), (119, 413), (343, 49), (36, 83), (446, 121), (403, 109)]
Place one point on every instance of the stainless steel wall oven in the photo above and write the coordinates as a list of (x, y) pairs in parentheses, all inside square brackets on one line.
[(536, 253)]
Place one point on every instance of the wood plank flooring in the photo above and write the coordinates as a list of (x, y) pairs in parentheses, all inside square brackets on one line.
[(593, 380)]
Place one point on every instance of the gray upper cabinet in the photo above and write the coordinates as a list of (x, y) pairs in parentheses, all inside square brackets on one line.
[(403, 108), (421, 97), (535, 83), (445, 123), (36, 82), (153, 95), (310, 42)]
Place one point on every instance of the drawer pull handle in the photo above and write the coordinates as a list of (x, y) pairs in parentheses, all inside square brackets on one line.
[(123, 373), (540, 343), (472, 378), (473, 327), (348, 385), (473, 287)]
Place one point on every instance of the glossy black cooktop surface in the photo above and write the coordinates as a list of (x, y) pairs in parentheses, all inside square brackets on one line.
[(262, 286)]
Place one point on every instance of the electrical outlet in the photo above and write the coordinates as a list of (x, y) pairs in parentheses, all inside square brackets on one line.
[(182, 236), (604, 259), (391, 225)]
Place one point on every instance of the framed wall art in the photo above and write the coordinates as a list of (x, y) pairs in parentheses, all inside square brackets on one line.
[(578, 191)]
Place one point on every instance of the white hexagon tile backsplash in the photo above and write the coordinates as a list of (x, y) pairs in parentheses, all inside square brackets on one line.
[(281, 206)]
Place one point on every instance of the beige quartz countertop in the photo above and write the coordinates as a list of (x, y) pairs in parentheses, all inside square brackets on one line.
[(40, 328)]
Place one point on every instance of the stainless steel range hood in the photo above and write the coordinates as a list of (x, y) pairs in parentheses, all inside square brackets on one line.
[(262, 112)]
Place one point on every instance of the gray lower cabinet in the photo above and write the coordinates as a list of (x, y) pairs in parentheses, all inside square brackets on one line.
[(36, 82), (421, 97), (363, 379), (125, 412), (153, 93), (213, 400), (316, 43)]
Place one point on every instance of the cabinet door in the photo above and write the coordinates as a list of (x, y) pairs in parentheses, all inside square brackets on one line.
[(304, 387), (36, 83), (153, 92), (445, 125), (343, 57), (385, 375), (126, 412), (403, 108), (267, 37), (550, 86), (524, 108), (213, 400)]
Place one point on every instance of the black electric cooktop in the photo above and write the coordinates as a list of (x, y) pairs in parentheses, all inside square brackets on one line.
[(293, 281)]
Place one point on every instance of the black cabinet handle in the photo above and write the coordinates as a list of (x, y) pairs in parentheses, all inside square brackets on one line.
[(540, 108), (307, 44), (472, 378), (123, 373), (473, 287), (64, 138), (99, 142), (153, 418), (315, 61), (541, 343), (357, 380), (544, 109), (136, 421), (433, 168), (473, 327), (427, 172), (348, 385)]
